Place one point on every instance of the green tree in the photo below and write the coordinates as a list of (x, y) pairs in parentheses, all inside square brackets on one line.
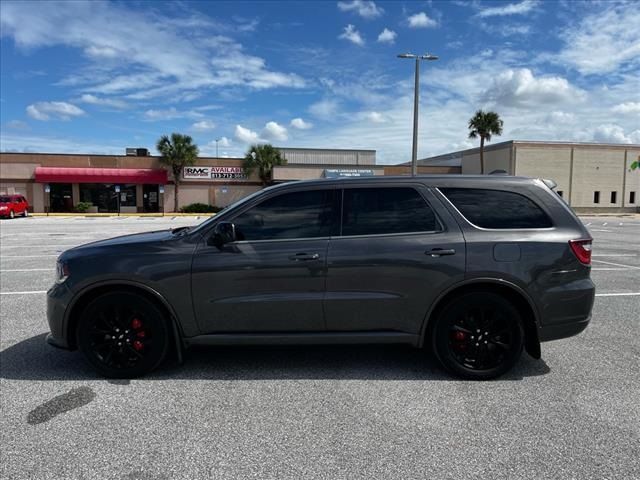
[(262, 158), (177, 152), (483, 125)]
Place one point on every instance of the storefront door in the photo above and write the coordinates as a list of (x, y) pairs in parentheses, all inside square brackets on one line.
[(61, 197), (150, 198)]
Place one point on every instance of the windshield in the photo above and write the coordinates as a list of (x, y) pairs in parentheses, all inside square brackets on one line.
[(5, 200)]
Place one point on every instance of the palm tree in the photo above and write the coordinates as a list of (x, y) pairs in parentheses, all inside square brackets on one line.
[(483, 125), (177, 152), (263, 158)]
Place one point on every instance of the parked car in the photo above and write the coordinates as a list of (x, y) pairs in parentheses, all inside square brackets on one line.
[(473, 268), (13, 205)]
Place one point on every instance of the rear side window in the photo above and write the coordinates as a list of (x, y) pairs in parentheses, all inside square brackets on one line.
[(304, 214), (497, 209), (374, 211)]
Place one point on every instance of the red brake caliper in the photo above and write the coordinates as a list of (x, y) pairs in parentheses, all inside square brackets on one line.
[(136, 324), (459, 339)]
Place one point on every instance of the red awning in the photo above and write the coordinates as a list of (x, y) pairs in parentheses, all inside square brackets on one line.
[(100, 175)]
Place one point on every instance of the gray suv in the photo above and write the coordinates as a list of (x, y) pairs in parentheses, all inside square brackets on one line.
[(472, 268)]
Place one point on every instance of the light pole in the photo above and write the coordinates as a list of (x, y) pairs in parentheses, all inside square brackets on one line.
[(217, 140), (416, 96)]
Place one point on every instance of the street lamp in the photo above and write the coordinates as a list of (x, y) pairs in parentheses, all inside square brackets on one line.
[(217, 140), (416, 95)]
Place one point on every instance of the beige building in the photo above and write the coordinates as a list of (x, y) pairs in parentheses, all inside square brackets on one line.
[(137, 183), (590, 176)]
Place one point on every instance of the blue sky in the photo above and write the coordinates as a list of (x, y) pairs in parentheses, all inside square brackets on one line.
[(96, 77)]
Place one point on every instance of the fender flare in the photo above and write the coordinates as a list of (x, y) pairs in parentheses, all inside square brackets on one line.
[(175, 327), (475, 281)]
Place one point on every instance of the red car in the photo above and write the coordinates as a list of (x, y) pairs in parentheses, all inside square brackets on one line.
[(12, 205)]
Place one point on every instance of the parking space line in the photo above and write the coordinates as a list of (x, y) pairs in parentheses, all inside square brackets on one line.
[(23, 293), (596, 269), (629, 294), (614, 255), (41, 246), (30, 256), (617, 264), (31, 270)]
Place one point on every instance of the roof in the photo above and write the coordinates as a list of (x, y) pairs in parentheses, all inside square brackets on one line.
[(457, 155)]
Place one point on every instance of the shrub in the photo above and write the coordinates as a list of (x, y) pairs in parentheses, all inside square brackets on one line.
[(82, 207), (200, 208)]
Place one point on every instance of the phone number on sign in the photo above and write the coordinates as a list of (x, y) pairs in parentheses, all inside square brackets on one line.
[(236, 176)]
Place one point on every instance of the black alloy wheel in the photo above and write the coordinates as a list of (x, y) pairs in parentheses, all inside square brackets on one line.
[(478, 335), (123, 335)]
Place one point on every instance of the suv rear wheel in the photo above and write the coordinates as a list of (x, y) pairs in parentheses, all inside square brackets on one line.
[(478, 335), (123, 335)]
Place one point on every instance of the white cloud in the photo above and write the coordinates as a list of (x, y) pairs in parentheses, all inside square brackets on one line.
[(171, 113), (350, 33), (519, 88), (627, 107), (203, 126), (246, 135), (45, 110), (17, 125), (612, 133), (274, 131), (300, 124), (387, 36), (366, 9), (603, 42), (153, 47), (520, 8), (107, 102), (325, 109), (421, 20), (375, 117), (224, 142)]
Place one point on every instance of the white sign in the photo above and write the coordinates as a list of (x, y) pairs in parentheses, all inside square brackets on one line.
[(213, 173)]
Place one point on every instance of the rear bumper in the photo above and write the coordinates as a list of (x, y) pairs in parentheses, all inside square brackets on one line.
[(562, 330)]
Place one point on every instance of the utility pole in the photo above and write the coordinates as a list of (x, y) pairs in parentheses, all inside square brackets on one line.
[(416, 100)]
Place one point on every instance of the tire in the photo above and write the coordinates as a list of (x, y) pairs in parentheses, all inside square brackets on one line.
[(12, 214), (25, 213), (123, 335), (478, 335)]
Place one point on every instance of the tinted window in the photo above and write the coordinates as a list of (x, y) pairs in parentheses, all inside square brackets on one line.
[(290, 215), (497, 208), (370, 211), (5, 199)]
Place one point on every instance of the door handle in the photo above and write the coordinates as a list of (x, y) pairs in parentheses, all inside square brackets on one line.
[(304, 257), (439, 252)]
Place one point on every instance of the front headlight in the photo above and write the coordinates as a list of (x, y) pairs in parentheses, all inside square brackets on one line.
[(3, 207), (62, 271)]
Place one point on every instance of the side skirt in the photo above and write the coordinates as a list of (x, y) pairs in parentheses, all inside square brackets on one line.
[(324, 338)]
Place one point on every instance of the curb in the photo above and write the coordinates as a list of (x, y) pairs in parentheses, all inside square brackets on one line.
[(158, 215)]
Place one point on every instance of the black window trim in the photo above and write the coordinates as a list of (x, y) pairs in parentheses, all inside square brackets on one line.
[(539, 205), (416, 188)]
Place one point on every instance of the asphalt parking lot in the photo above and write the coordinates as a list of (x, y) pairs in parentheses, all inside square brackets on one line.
[(324, 412)]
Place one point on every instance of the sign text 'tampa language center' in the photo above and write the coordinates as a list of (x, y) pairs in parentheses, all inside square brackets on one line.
[(213, 173)]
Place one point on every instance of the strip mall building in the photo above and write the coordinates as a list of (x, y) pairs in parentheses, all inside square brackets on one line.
[(137, 183)]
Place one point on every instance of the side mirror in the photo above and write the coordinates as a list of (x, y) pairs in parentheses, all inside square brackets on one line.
[(223, 233)]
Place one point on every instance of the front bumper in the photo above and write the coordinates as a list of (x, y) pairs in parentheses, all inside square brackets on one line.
[(58, 298)]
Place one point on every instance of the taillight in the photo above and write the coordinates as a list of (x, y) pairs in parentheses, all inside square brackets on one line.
[(582, 250)]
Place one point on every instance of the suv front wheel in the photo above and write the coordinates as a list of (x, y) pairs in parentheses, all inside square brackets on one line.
[(478, 335), (123, 335)]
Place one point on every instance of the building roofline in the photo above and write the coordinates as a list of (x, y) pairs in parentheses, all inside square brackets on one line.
[(328, 149), (508, 143)]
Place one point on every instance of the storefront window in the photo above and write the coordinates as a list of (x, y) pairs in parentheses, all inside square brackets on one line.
[(104, 196)]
